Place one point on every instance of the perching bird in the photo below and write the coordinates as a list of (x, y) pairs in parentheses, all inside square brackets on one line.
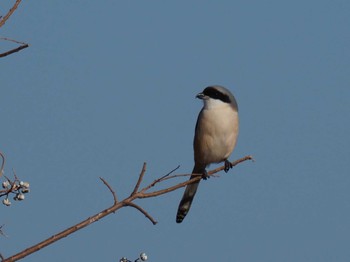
[(214, 139)]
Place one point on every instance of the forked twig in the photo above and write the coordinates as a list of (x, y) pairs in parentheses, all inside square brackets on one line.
[(165, 177), (14, 50)]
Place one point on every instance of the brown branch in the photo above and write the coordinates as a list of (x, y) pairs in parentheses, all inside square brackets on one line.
[(117, 205), (142, 194), (143, 171), (193, 180), (111, 190), (64, 233), (234, 163), (9, 13), (143, 212)]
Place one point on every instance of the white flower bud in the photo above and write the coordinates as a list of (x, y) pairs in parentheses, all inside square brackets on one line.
[(6, 202), (25, 190), (24, 184), (20, 197), (5, 184), (143, 256)]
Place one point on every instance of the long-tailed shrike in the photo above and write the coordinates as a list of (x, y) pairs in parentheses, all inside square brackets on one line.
[(214, 139)]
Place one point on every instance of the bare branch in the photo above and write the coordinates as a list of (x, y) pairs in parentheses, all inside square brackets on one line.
[(111, 190), (3, 164), (169, 189), (17, 49), (117, 205), (193, 180), (169, 173), (2, 232), (10, 12), (234, 163), (143, 212), (64, 233), (143, 171), (165, 177)]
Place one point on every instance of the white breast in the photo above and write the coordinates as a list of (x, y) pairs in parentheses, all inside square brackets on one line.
[(216, 133)]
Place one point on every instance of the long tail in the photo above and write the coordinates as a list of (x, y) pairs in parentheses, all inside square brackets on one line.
[(188, 196)]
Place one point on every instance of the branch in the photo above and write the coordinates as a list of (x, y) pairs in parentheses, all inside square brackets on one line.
[(64, 233), (3, 164), (3, 19), (143, 212), (10, 12), (2, 232), (136, 194), (143, 171), (163, 178), (17, 49), (110, 189), (234, 163)]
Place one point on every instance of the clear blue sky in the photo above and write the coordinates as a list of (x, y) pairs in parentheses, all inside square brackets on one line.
[(108, 85)]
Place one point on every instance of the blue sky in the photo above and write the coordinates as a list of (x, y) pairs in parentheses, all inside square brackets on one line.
[(107, 86)]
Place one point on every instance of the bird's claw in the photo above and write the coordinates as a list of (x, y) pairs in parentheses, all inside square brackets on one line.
[(228, 165), (205, 175)]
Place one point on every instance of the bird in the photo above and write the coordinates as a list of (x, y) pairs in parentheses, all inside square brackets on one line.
[(215, 138)]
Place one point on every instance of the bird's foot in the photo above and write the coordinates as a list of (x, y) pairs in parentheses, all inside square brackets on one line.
[(205, 175), (228, 165)]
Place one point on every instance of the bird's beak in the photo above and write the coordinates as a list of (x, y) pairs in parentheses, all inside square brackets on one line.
[(200, 96)]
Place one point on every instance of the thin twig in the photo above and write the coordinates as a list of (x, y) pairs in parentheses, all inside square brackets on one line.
[(110, 189), (172, 177), (3, 164), (14, 174), (143, 194), (169, 173), (22, 46), (17, 49), (12, 40), (143, 212), (9, 13), (2, 232), (163, 177), (143, 171)]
